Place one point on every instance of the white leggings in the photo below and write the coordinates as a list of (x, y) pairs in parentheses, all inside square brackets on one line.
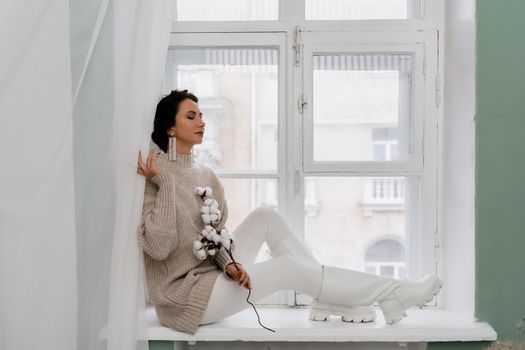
[(292, 265)]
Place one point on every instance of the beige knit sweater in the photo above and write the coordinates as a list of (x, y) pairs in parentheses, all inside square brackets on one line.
[(179, 284)]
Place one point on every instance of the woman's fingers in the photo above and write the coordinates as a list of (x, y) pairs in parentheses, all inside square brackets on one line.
[(150, 159), (140, 161), (247, 283), (140, 166), (244, 279), (149, 168)]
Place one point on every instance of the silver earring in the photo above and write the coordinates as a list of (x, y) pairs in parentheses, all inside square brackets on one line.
[(172, 149)]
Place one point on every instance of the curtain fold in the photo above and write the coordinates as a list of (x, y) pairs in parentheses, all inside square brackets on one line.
[(70, 196), (141, 42), (38, 291), (119, 61)]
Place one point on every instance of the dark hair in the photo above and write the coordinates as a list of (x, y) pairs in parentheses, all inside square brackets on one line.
[(167, 109)]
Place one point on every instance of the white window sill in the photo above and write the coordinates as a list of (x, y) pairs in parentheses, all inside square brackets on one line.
[(292, 325)]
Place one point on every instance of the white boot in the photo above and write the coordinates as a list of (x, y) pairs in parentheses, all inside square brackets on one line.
[(350, 293), (409, 294), (357, 314)]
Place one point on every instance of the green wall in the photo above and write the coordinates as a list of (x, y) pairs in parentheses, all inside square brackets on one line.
[(500, 165), (500, 170)]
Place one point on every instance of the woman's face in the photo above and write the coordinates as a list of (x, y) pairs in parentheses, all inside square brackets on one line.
[(189, 125)]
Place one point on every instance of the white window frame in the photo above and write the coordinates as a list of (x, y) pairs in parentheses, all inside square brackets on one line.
[(422, 34), (343, 43), (242, 40), (422, 233)]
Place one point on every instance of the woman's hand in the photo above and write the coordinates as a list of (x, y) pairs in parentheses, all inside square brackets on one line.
[(240, 275), (150, 168)]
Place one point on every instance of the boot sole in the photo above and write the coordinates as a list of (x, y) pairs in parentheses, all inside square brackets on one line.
[(354, 314), (393, 317)]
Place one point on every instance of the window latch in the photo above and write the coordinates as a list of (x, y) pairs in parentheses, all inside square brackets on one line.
[(301, 103)]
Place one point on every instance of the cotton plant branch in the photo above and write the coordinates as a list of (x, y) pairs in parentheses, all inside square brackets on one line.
[(211, 241)]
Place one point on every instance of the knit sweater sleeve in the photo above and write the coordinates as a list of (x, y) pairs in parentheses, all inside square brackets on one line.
[(222, 259), (157, 234)]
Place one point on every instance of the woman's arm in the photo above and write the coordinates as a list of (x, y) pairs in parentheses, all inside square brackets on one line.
[(157, 234)]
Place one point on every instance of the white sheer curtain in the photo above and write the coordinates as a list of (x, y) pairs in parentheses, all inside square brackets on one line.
[(119, 70), (70, 197), (38, 263), (141, 42)]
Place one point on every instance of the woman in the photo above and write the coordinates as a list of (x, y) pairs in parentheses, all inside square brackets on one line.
[(187, 291)]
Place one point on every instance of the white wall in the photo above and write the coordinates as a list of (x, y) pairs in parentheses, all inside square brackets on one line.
[(458, 157)]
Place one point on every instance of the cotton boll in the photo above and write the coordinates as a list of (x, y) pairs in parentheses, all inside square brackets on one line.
[(209, 234), (208, 191), (209, 228), (216, 238), (205, 209), (201, 254), (214, 218), (199, 190), (211, 252), (208, 202), (219, 214), (197, 245), (225, 242), (206, 219), (214, 205), (225, 233)]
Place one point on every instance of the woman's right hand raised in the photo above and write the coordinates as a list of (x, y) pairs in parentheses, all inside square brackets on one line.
[(150, 168)]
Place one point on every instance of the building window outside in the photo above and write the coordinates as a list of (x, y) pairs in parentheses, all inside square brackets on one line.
[(386, 257)]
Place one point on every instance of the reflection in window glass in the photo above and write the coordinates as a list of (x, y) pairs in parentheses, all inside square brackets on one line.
[(238, 95), (362, 107), (354, 212), (361, 9), (227, 10)]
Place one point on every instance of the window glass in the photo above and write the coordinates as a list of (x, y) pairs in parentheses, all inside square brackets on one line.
[(344, 216), (362, 107), (227, 10), (386, 257), (238, 95), (244, 195), (362, 9)]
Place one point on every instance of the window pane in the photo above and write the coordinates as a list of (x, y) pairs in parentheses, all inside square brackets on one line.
[(387, 271), (362, 107), (238, 95), (227, 10), (362, 9), (360, 222), (244, 195)]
